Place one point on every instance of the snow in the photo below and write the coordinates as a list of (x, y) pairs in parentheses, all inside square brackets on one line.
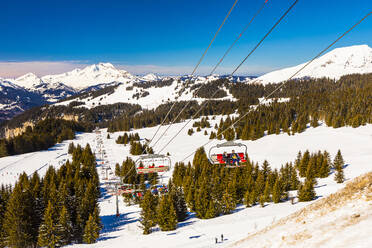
[(349, 225), (156, 96), (334, 64), (90, 76), (150, 77), (28, 81), (355, 144)]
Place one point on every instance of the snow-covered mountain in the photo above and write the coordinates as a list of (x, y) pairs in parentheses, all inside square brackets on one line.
[(334, 64), (151, 90), (89, 76)]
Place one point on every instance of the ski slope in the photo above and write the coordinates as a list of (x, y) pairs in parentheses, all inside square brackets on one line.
[(355, 144)]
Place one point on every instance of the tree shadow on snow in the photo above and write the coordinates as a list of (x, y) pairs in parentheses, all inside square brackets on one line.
[(319, 186), (195, 237), (106, 238), (104, 194), (111, 223), (183, 224)]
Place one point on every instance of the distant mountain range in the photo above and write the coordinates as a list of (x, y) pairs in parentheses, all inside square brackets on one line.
[(27, 91)]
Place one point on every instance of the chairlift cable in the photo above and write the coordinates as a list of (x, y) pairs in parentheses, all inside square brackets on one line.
[(194, 70), (250, 53), (291, 77)]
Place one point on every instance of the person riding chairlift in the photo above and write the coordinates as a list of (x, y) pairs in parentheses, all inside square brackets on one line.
[(235, 158), (226, 158)]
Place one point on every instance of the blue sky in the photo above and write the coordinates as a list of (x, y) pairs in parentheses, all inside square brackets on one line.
[(169, 36)]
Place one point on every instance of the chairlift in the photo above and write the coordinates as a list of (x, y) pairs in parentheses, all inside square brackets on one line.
[(128, 188), (153, 163), (216, 156)]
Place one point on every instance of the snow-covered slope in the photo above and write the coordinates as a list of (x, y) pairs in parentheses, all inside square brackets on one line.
[(169, 89), (194, 232), (28, 81), (90, 76), (340, 220), (334, 64)]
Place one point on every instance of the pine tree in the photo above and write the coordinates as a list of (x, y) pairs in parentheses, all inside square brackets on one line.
[(266, 192), (325, 167), (211, 212), (166, 214), (64, 227), (276, 191), (49, 234), (179, 203), (262, 200), (228, 203), (338, 164), (91, 231), (294, 180), (306, 191), (18, 219), (148, 212), (304, 163)]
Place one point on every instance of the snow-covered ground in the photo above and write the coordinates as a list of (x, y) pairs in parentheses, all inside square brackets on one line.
[(340, 220), (355, 144)]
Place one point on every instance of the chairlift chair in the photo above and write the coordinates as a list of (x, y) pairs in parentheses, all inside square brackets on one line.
[(217, 158), (152, 163)]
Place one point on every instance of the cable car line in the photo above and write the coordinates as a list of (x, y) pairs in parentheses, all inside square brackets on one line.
[(195, 68), (196, 91), (250, 53), (296, 73), (237, 38)]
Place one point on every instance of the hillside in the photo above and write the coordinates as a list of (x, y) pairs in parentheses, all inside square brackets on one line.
[(334, 64), (151, 90), (342, 219), (194, 232)]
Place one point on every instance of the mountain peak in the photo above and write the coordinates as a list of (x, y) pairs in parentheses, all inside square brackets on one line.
[(334, 64), (91, 75), (28, 80)]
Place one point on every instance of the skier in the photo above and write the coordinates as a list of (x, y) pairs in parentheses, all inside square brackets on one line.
[(216, 240), (221, 237)]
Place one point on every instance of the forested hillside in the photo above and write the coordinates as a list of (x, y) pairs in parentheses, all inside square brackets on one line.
[(58, 209), (43, 135)]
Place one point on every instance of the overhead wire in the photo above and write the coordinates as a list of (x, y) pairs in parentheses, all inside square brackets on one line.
[(195, 68), (193, 72), (282, 84), (215, 92)]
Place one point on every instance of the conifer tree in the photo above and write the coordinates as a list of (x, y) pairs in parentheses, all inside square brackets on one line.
[(166, 214), (294, 180), (276, 191), (18, 218), (228, 203), (306, 191), (338, 164), (262, 200), (148, 212), (266, 192), (304, 163), (65, 227), (49, 234), (91, 231), (211, 212), (179, 202)]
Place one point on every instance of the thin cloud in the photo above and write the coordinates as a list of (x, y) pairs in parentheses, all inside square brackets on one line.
[(39, 68), (42, 68), (183, 70)]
